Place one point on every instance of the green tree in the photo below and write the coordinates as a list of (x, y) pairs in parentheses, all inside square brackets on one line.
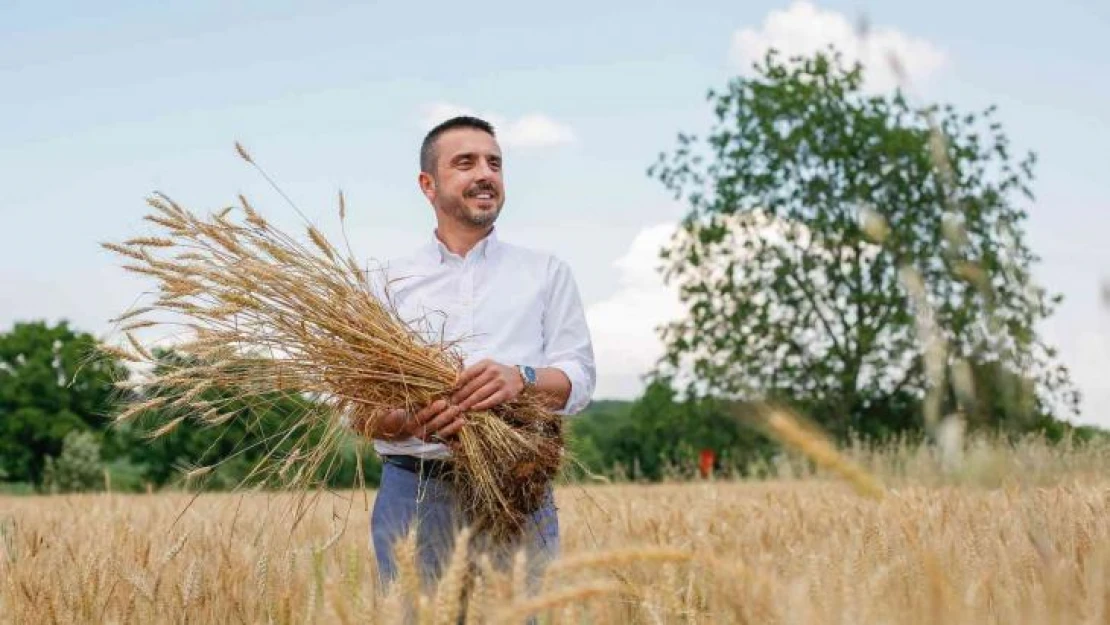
[(50, 385), (790, 296), (591, 435), (78, 467), (660, 432), (246, 450)]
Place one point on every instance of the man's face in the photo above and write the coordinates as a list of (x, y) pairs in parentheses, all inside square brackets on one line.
[(467, 184)]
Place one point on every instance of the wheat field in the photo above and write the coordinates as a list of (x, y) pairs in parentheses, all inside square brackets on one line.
[(1011, 535)]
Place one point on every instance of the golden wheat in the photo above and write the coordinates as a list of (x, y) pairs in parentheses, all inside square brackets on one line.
[(1019, 537), (267, 318)]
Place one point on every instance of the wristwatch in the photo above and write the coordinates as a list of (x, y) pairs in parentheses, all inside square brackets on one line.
[(528, 374)]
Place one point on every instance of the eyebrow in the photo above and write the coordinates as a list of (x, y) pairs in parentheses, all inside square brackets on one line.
[(472, 155)]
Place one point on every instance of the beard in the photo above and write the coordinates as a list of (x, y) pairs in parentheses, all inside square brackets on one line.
[(457, 207)]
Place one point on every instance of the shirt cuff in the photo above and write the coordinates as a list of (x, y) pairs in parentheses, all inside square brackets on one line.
[(580, 387)]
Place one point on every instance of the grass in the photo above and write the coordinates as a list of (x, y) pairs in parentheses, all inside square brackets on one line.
[(1010, 535)]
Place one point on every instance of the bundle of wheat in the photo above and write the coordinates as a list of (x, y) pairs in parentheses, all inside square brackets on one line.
[(266, 314)]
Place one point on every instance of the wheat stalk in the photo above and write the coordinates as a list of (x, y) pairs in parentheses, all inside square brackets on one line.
[(522, 609), (286, 319), (786, 427), (449, 594)]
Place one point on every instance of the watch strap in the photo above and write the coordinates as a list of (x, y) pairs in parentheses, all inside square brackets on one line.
[(528, 375)]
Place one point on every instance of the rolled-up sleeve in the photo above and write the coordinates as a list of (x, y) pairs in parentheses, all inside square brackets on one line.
[(566, 337)]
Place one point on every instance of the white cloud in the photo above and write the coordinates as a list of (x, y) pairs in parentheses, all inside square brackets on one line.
[(442, 111), (623, 326), (537, 130), (803, 28), (533, 130)]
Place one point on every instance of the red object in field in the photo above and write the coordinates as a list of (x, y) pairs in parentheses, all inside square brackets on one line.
[(705, 462)]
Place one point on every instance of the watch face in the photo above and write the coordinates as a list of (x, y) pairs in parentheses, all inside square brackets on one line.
[(530, 375)]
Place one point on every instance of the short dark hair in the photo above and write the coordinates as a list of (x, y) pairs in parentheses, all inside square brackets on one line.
[(428, 148)]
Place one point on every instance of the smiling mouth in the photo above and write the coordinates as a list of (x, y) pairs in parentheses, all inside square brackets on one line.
[(484, 196)]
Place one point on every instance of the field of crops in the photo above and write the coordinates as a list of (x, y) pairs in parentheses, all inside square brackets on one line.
[(1010, 536)]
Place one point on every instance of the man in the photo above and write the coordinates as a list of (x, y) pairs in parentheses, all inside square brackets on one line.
[(519, 321)]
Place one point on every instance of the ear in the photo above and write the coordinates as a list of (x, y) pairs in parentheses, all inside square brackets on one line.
[(427, 185)]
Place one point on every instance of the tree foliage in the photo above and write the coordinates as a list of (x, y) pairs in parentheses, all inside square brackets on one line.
[(792, 295), (49, 387), (250, 449), (78, 468), (661, 434), (57, 400)]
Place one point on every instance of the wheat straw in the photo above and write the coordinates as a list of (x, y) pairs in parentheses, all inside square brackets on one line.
[(288, 319)]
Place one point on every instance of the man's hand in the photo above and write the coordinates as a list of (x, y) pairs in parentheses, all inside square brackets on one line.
[(479, 387), (485, 385), (435, 423)]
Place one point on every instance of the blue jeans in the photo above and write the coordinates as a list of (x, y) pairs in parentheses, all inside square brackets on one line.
[(404, 499)]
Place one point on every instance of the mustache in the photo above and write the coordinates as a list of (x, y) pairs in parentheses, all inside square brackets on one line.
[(482, 187)]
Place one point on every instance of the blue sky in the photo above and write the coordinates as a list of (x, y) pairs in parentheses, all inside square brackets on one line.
[(104, 102)]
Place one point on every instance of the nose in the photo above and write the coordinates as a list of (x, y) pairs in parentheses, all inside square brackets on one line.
[(485, 170)]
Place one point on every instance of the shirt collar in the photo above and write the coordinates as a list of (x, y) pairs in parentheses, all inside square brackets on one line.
[(438, 253)]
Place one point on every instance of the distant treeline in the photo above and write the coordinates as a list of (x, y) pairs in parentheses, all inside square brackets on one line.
[(56, 431)]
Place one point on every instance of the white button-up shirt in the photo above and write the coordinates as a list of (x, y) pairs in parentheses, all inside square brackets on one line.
[(507, 303)]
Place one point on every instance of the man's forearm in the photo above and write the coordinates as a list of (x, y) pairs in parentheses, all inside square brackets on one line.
[(554, 386)]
